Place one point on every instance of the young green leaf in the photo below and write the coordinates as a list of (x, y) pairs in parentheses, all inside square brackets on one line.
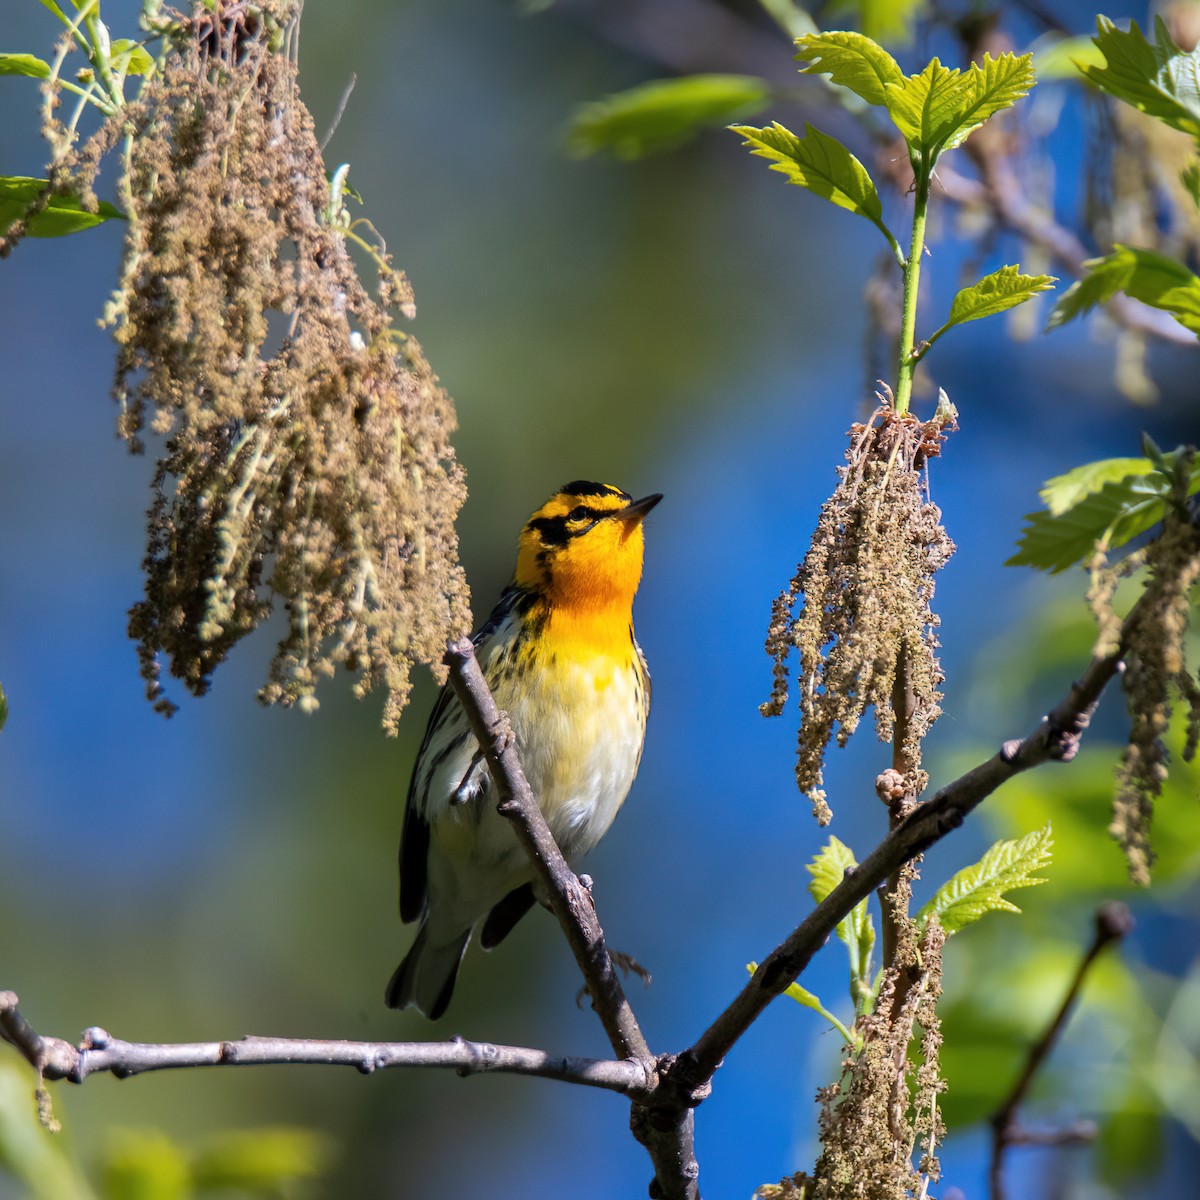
[(1118, 509), (822, 165), (978, 890), (857, 929), (1066, 490), (810, 1000), (663, 114), (1160, 80), (1145, 275), (937, 109), (131, 57), (850, 60), (24, 64), (994, 293), (63, 215)]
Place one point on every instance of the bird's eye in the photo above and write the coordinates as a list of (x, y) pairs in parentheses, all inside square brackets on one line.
[(579, 513)]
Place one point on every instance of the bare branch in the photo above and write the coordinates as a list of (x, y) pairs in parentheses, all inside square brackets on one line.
[(571, 901), (98, 1053), (666, 1134), (1113, 922)]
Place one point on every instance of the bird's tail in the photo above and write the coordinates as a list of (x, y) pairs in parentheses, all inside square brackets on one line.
[(425, 979)]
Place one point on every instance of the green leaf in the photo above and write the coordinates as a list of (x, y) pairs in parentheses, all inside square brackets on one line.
[(1145, 275), (3, 708), (1065, 491), (1120, 508), (63, 215), (937, 109), (24, 64), (810, 1000), (1160, 80), (822, 165), (663, 114), (994, 293), (979, 889), (131, 57), (856, 929), (851, 61)]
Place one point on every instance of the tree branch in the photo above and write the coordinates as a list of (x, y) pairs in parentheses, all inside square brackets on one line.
[(1056, 738), (668, 1135), (98, 1053), (1113, 922), (570, 900)]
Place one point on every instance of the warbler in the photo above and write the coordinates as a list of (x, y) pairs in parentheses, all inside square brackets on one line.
[(560, 656)]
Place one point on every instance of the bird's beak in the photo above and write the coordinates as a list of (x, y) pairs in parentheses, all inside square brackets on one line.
[(637, 510)]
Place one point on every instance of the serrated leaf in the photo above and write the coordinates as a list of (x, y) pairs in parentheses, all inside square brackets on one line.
[(1066, 490), (663, 114), (1160, 80), (856, 929), (822, 165), (995, 293), (979, 889), (1120, 509), (937, 109), (851, 61), (24, 64), (131, 57), (63, 215), (1145, 275)]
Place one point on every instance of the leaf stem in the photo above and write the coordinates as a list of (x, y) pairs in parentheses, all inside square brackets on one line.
[(912, 278)]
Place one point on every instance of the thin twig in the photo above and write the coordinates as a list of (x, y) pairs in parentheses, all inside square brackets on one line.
[(1113, 922), (98, 1053)]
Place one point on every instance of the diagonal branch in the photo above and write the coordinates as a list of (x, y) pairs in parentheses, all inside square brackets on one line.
[(667, 1134), (571, 901), (1056, 738), (98, 1053)]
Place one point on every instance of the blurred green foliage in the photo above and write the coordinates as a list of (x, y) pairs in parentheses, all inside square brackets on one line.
[(252, 1164)]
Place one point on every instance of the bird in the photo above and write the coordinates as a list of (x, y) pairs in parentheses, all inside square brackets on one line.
[(561, 659)]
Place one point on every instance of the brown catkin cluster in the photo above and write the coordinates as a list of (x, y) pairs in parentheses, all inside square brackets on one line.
[(307, 456), (885, 1109), (865, 589), (1156, 672)]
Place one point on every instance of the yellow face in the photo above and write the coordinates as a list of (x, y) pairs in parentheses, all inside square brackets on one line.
[(583, 547)]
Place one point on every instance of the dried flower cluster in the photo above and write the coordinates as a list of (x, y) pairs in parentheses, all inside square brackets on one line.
[(1156, 672), (865, 588), (307, 455), (873, 1120)]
